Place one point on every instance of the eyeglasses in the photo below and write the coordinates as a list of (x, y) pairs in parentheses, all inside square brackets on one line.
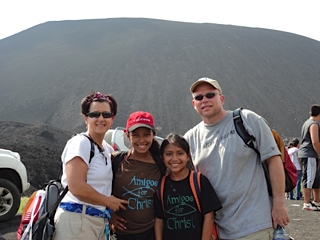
[(208, 95), (97, 114)]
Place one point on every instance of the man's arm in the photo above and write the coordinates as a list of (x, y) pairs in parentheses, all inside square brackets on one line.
[(314, 134), (276, 172)]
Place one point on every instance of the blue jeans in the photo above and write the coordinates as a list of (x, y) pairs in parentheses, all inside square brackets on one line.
[(298, 187)]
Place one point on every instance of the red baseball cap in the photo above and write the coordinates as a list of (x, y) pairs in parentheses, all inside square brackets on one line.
[(140, 119)]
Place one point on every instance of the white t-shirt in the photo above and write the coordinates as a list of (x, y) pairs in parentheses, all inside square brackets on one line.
[(293, 153), (99, 170)]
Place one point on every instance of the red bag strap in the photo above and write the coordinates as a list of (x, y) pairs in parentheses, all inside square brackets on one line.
[(161, 190), (194, 180)]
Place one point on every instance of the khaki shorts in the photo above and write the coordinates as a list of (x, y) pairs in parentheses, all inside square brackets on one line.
[(75, 226), (265, 234)]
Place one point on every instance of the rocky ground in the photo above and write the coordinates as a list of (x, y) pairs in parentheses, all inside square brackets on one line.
[(39, 146), (304, 225)]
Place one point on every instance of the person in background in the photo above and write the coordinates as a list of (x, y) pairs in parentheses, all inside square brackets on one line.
[(293, 153), (287, 148), (177, 217), (235, 170), (136, 179), (309, 153), (84, 211)]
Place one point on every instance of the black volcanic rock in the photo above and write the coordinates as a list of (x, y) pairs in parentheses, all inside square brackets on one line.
[(39, 146)]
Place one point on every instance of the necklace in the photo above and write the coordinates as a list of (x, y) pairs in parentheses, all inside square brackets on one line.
[(174, 179)]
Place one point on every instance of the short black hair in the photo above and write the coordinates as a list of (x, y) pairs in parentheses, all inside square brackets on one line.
[(315, 110), (294, 142)]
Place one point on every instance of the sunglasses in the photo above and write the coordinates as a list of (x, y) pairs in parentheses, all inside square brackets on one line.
[(97, 114), (208, 95)]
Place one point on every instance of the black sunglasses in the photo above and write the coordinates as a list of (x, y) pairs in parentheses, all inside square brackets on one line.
[(208, 95), (97, 114)]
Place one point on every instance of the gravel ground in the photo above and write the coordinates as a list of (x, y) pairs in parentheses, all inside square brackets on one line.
[(304, 225)]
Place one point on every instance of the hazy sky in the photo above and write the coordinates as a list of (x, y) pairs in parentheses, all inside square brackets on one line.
[(300, 17)]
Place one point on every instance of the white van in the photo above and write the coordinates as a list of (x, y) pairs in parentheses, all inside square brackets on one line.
[(13, 182)]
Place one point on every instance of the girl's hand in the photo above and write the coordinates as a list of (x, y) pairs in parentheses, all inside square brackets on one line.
[(117, 222)]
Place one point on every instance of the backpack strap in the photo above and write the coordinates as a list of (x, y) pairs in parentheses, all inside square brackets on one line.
[(194, 181), (91, 153), (92, 146), (117, 159), (160, 191), (195, 184), (248, 140), (242, 132)]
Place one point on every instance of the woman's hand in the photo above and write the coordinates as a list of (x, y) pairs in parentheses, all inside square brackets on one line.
[(116, 203)]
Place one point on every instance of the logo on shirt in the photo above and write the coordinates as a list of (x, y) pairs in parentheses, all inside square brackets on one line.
[(181, 212), (141, 196)]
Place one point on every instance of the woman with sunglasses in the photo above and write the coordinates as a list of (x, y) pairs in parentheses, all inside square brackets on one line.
[(85, 210)]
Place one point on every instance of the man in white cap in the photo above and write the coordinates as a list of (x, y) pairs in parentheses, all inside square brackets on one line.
[(235, 170)]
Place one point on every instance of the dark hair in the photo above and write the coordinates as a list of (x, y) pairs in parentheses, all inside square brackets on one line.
[(98, 97), (179, 141), (315, 110), (155, 153), (294, 142)]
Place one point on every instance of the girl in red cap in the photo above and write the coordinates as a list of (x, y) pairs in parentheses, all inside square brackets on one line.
[(136, 176)]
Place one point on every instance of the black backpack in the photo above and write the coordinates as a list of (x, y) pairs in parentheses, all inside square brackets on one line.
[(44, 204), (290, 170)]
